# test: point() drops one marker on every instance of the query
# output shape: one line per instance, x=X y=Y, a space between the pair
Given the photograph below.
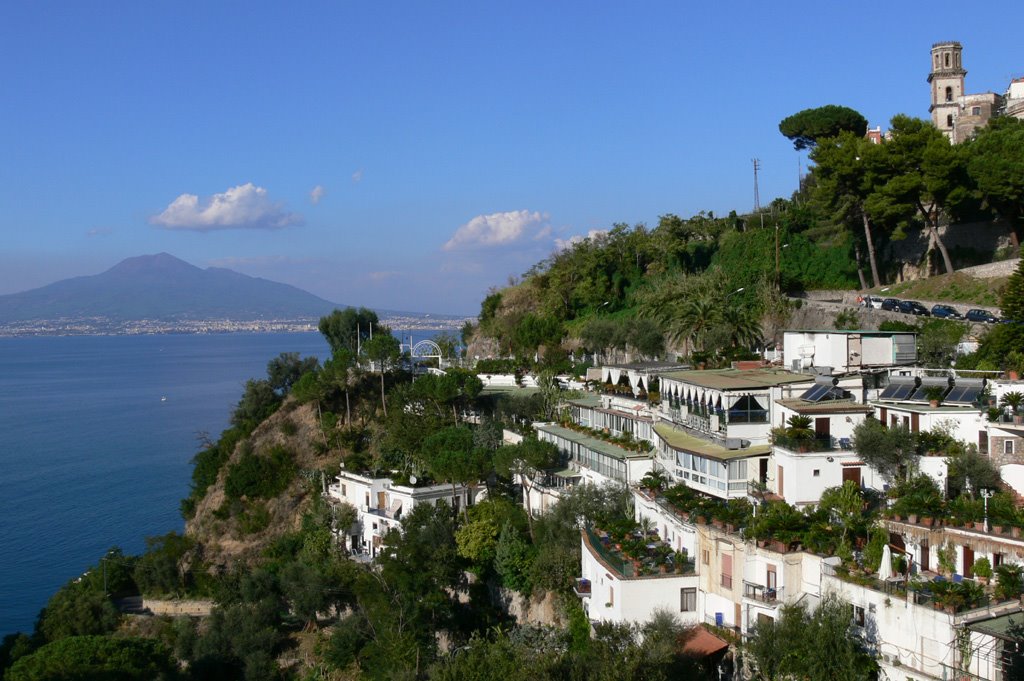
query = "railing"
x=761 y=593
x=815 y=444
x=582 y=587
x=727 y=581
x=752 y=416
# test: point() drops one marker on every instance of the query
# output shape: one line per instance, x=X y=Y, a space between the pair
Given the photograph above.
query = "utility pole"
x=757 y=196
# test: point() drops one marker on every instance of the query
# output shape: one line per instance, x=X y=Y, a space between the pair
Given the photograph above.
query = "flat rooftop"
x=647 y=366
x=850 y=332
x=825 y=406
x=593 y=443
x=589 y=400
x=683 y=441
x=737 y=379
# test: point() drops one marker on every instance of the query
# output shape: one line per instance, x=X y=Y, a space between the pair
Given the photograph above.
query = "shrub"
x=259 y=475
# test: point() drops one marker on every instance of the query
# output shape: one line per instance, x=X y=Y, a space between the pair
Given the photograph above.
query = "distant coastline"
x=100 y=326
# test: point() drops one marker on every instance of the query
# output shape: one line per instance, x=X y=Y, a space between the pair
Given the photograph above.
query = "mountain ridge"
x=163 y=287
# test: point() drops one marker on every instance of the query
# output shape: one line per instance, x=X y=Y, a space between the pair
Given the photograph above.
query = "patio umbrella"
x=885 y=569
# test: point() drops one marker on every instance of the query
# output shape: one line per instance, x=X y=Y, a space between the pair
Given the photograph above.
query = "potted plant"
x=934 y=394
x=982 y=569
x=947 y=559
x=1013 y=401
x=799 y=429
x=1009 y=581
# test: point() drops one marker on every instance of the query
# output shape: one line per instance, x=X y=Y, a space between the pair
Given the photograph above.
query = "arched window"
x=958 y=60
x=949 y=121
x=947 y=60
x=949 y=94
x=938 y=61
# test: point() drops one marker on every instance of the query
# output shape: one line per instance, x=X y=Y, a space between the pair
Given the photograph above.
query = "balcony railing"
x=727 y=581
x=582 y=588
x=762 y=594
x=824 y=443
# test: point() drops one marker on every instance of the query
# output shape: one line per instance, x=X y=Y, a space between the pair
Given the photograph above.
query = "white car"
x=872 y=302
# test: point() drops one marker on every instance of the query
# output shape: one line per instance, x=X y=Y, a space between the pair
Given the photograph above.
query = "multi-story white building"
x=381 y=503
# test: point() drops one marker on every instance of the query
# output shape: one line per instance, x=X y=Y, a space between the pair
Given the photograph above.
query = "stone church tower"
x=947 y=83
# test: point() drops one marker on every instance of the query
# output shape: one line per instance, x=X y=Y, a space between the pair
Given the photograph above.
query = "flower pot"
x=927 y=521
x=717 y=523
x=701 y=520
x=979 y=525
x=912 y=518
x=998 y=529
x=1015 y=532
x=933 y=403
x=897 y=517
x=1013 y=375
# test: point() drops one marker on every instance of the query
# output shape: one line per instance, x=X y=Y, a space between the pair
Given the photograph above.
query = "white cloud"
x=243 y=207
x=357 y=176
x=99 y=231
x=562 y=244
x=499 y=229
x=317 y=193
x=383 y=275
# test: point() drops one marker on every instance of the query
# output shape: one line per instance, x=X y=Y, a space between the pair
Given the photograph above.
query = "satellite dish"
x=412 y=479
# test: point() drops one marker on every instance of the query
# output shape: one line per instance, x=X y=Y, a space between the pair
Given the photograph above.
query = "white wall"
x=617 y=599
x=876 y=350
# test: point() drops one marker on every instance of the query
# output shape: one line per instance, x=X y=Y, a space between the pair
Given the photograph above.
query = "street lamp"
x=986 y=494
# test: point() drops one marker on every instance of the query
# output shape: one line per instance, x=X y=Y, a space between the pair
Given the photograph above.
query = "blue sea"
x=96 y=435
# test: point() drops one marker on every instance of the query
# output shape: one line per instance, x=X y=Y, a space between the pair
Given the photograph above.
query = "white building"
x=597 y=461
x=839 y=352
x=381 y=504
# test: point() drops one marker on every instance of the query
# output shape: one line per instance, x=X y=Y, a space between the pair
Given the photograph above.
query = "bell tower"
x=947 y=84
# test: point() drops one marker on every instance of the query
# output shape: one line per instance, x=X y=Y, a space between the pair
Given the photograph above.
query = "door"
x=854 y=348
x=968 y=560
x=778 y=478
x=852 y=473
x=822 y=428
x=983 y=442
x=925 y=557
x=382 y=500
x=771 y=579
x=763 y=471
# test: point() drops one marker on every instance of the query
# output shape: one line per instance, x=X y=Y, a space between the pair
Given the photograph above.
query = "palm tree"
x=742 y=326
x=799 y=427
x=697 y=318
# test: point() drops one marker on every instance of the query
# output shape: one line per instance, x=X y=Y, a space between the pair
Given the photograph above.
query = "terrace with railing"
x=763 y=594
x=638 y=556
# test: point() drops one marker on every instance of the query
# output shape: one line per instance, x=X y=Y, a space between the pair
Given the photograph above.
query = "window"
x=949 y=121
x=705 y=557
x=727 y=571
x=1008 y=446
x=949 y=94
x=817 y=472
x=611 y=596
x=858 y=616
x=344 y=491
x=947 y=59
x=976 y=111
x=688 y=600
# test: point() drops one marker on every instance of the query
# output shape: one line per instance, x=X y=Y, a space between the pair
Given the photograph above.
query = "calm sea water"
x=92 y=456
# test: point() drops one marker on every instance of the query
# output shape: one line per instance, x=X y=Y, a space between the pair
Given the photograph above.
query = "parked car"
x=891 y=304
x=978 y=315
x=913 y=307
x=871 y=302
x=945 y=312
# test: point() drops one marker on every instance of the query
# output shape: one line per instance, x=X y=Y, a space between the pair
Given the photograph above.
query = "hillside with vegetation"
x=685 y=286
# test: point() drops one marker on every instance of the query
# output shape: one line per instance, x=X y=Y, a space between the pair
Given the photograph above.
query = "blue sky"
x=453 y=144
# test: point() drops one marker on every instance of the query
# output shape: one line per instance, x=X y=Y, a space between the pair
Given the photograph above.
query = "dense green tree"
x=805 y=128
x=384 y=350
x=937 y=342
x=347 y=329
x=161 y=569
x=284 y=370
x=924 y=177
x=513 y=559
x=259 y=401
x=79 y=608
x=997 y=167
x=890 y=451
x=526 y=461
x=96 y=658
x=847 y=173
x=818 y=646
